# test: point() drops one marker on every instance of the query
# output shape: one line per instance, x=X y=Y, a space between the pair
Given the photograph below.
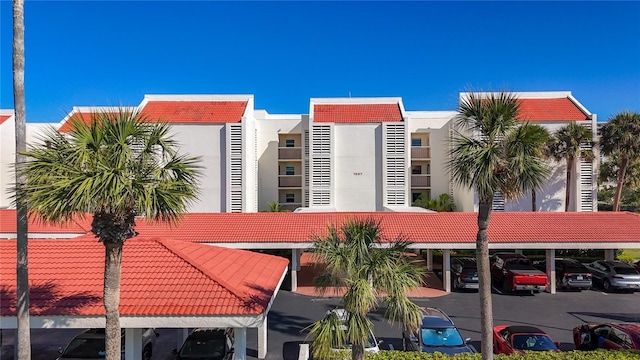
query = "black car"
x=570 y=274
x=437 y=333
x=464 y=273
x=207 y=344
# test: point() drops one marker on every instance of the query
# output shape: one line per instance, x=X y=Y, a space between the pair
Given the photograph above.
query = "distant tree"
x=117 y=166
x=539 y=139
x=275 y=207
x=356 y=258
x=444 y=203
x=621 y=136
x=572 y=143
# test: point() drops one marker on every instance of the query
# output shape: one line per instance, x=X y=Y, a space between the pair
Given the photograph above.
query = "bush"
x=530 y=355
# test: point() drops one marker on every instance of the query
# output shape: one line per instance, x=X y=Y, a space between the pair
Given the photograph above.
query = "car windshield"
x=625 y=270
x=203 y=348
x=370 y=343
x=533 y=342
x=441 y=337
x=85 y=349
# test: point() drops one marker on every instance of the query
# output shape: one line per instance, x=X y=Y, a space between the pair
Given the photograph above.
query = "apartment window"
x=416 y=169
x=290 y=170
x=415 y=196
x=290 y=198
x=416 y=142
x=289 y=143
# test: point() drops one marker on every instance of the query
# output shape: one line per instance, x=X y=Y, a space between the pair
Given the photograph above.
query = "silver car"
x=615 y=275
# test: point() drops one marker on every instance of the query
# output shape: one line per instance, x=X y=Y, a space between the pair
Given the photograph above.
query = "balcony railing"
x=420 y=152
x=290 y=180
x=290 y=153
x=420 y=181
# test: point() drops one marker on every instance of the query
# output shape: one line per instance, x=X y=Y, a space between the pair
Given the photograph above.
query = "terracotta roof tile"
x=84 y=117
x=357 y=113
x=3 y=118
x=156 y=278
x=196 y=112
x=78 y=225
x=559 y=109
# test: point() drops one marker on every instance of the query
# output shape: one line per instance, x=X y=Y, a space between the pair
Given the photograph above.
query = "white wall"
x=7 y=158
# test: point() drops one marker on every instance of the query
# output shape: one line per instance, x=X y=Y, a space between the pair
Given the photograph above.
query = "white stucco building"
x=346 y=154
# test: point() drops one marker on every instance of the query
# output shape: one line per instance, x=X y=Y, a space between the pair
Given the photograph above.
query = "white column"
x=240 y=343
x=446 y=270
x=262 y=339
x=551 y=269
x=295 y=267
x=429 y=260
x=133 y=344
x=609 y=254
x=181 y=336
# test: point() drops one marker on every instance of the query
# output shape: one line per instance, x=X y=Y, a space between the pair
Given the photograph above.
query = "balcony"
x=420 y=152
x=420 y=181
x=290 y=181
x=289 y=153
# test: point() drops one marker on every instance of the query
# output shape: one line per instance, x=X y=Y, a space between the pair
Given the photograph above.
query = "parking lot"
x=556 y=314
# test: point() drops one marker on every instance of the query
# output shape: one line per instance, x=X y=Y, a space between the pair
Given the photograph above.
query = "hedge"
x=529 y=355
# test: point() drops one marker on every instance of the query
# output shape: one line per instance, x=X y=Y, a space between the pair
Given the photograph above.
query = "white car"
x=372 y=345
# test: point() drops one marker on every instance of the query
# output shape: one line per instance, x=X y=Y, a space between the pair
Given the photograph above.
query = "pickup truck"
x=515 y=272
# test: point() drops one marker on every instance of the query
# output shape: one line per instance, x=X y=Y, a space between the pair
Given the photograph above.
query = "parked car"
x=637 y=265
x=612 y=275
x=437 y=333
x=516 y=272
x=207 y=344
x=612 y=336
x=570 y=274
x=372 y=345
x=90 y=344
x=464 y=273
x=518 y=339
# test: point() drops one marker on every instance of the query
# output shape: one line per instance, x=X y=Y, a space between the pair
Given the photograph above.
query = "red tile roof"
x=3 y=118
x=84 y=117
x=559 y=109
x=159 y=277
x=196 y=112
x=76 y=226
x=357 y=113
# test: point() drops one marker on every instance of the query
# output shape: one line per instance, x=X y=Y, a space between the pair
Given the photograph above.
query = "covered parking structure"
x=165 y=284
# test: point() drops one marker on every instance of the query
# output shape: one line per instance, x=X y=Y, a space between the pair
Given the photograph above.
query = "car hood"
x=449 y=350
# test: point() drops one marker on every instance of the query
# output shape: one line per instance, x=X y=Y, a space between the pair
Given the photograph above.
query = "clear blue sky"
x=83 y=53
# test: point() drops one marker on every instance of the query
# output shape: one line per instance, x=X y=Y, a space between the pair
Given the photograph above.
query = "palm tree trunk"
x=484 y=279
x=567 y=195
x=22 y=267
x=624 y=162
x=112 y=274
x=533 y=200
x=357 y=352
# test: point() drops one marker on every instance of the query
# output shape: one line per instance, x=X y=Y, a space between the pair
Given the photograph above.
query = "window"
x=290 y=198
x=415 y=196
x=416 y=169
x=416 y=142
x=289 y=143
x=290 y=170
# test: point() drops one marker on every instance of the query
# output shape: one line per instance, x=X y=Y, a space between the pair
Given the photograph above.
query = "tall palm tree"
x=117 y=166
x=571 y=143
x=491 y=152
x=621 y=136
x=538 y=140
x=22 y=265
x=356 y=258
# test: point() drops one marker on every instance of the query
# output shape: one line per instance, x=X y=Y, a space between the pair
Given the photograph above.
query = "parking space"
x=292 y=313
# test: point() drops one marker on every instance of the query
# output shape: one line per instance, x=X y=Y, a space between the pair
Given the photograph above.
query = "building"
x=346 y=154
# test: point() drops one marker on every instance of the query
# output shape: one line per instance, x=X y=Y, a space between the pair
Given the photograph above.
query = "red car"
x=516 y=339
x=611 y=336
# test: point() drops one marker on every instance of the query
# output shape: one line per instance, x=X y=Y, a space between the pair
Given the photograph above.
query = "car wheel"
x=606 y=285
x=146 y=353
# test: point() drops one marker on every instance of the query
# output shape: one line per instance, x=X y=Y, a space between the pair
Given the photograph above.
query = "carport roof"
x=160 y=277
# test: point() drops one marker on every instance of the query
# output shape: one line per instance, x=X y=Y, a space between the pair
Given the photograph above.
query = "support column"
x=181 y=336
x=446 y=270
x=262 y=339
x=295 y=267
x=551 y=270
x=240 y=343
x=133 y=344
x=429 y=260
x=609 y=254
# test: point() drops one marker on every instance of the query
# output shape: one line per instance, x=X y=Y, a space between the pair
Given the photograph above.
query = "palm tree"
x=538 y=138
x=356 y=258
x=117 y=166
x=621 y=136
x=571 y=143
x=22 y=264
x=492 y=153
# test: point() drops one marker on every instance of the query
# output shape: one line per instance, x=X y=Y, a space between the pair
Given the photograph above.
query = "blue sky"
x=88 y=53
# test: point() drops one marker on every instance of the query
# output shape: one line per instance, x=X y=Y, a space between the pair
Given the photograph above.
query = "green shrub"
x=530 y=355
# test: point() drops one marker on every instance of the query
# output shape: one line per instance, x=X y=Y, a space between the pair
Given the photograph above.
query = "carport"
x=165 y=284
